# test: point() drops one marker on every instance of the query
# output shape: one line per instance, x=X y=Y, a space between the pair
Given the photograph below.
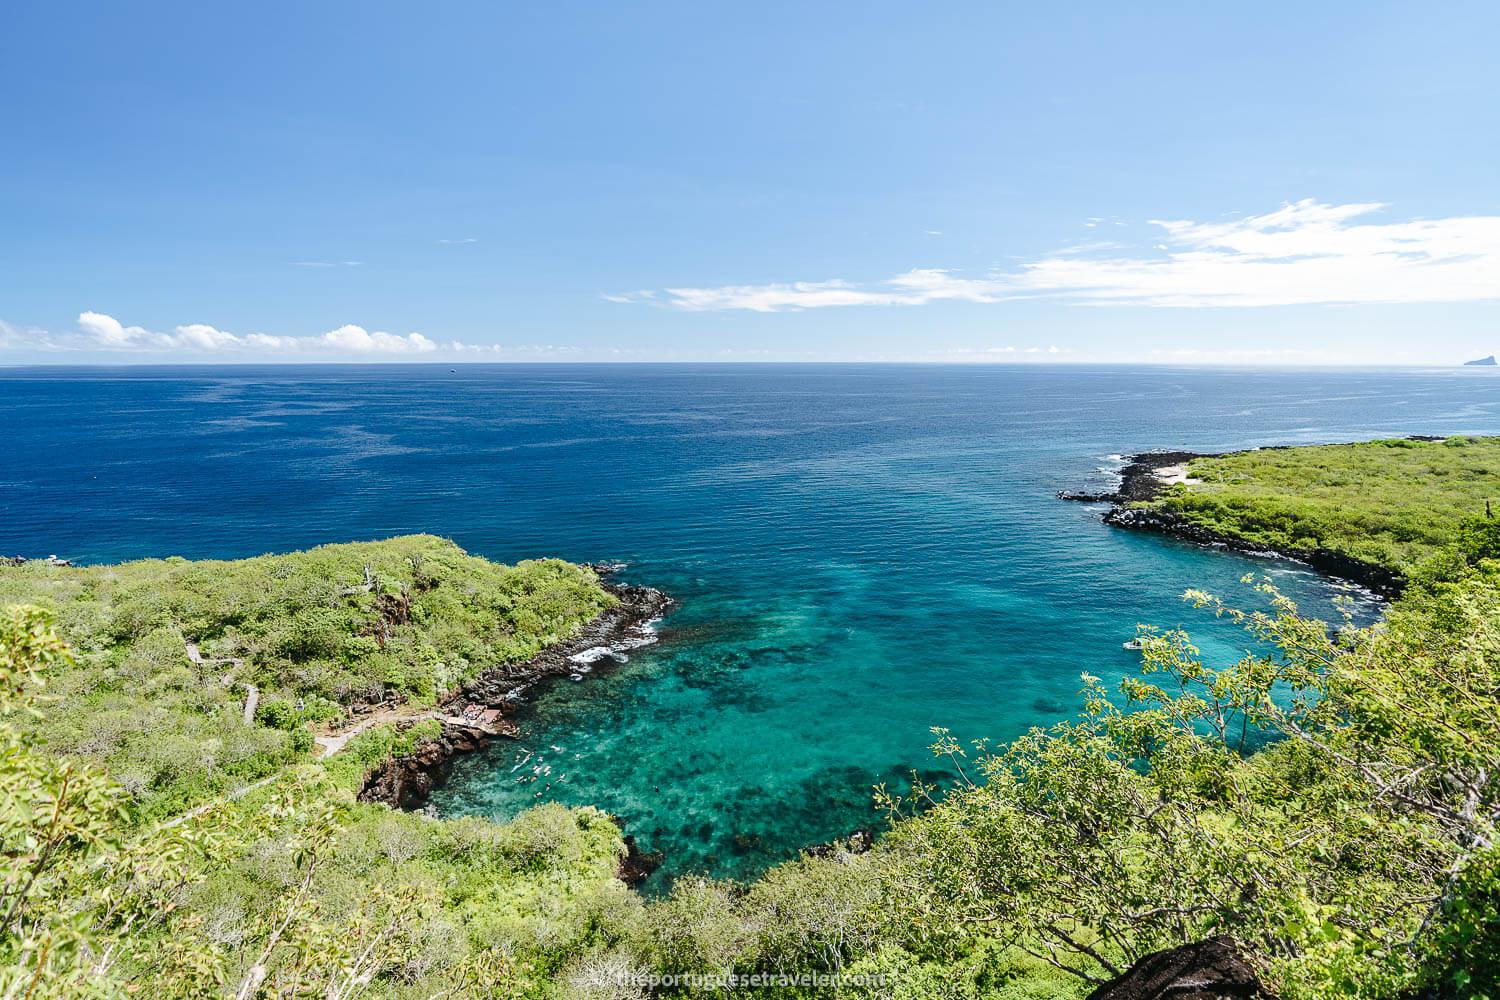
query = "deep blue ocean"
x=860 y=552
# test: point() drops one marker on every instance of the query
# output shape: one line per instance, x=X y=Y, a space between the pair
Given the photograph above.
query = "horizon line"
x=625 y=362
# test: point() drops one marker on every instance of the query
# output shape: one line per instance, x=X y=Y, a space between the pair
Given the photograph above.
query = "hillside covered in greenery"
x=1398 y=503
x=164 y=650
x=1354 y=856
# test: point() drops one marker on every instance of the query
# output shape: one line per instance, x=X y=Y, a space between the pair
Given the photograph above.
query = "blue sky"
x=1249 y=183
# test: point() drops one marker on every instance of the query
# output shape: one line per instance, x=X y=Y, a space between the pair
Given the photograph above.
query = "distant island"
x=1481 y=362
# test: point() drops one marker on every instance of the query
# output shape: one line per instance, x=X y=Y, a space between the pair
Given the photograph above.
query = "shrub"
x=302 y=741
x=276 y=713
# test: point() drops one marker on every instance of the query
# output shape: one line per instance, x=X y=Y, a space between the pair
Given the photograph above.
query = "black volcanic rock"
x=405 y=782
x=857 y=842
x=1377 y=578
x=618 y=628
x=1138 y=479
x=1204 y=970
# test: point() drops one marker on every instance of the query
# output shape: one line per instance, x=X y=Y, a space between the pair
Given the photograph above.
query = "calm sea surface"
x=860 y=552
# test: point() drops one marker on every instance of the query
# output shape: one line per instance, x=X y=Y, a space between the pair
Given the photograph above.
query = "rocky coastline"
x=405 y=782
x=1142 y=480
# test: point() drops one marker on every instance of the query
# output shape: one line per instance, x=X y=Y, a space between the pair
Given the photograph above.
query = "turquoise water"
x=860 y=553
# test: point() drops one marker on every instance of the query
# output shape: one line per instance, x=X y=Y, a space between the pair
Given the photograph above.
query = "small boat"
x=1133 y=644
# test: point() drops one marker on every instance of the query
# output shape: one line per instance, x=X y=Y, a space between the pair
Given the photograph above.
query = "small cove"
x=860 y=552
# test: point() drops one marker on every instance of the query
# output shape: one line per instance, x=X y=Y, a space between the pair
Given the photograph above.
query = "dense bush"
x=278 y=713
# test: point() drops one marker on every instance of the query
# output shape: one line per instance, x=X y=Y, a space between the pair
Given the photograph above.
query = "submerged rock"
x=857 y=842
x=637 y=865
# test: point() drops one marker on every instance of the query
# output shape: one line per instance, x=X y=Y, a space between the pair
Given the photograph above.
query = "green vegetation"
x=293 y=891
x=1355 y=855
x=1398 y=504
x=167 y=726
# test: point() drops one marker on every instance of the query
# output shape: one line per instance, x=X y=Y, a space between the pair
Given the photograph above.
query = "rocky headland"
x=1146 y=476
x=405 y=782
x=1143 y=477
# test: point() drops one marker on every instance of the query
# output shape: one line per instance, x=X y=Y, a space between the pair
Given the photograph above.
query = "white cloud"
x=466 y=239
x=99 y=331
x=356 y=338
x=11 y=337
x=205 y=338
x=638 y=296
x=514 y=350
x=109 y=332
x=1301 y=254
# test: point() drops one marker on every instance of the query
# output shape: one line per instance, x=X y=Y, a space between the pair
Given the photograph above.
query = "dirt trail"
x=333 y=743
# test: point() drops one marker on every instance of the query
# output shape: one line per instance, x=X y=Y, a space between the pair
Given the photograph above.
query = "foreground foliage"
x=1345 y=853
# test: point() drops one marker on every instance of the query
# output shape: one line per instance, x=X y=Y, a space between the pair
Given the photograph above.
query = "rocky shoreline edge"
x=1143 y=478
x=405 y=782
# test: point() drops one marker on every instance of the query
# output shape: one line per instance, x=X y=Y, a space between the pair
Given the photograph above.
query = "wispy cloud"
x=327 y=263
x=515 y=350
x=1301 y=254
x=13 y=338
x=466 y=239
x=910 y=289
x=1240 y=353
